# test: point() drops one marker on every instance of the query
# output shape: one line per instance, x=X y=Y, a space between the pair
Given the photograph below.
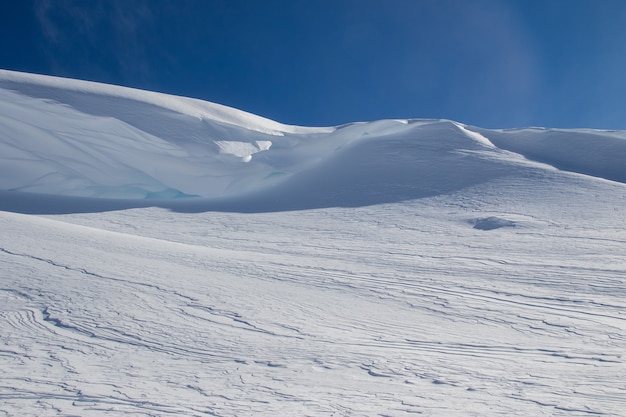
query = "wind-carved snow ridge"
x=393 y=267
x=193 y=107
x=475 y=135
x=80 y=139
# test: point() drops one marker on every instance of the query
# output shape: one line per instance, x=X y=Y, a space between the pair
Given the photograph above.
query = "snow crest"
x=394 y=267
x=83 y=139
x=189 y=106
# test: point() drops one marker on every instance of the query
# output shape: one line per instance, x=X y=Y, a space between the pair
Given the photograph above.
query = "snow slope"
x=75 y=138
x=190 y=259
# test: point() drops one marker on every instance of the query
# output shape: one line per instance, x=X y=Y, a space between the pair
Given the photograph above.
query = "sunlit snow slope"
x=162 y=255
x=76 y=138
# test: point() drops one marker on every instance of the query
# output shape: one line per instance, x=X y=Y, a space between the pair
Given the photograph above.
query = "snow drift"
x=194 y=260
x=82 y=139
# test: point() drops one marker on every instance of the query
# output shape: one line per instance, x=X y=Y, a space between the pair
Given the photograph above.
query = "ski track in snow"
x=386 y=268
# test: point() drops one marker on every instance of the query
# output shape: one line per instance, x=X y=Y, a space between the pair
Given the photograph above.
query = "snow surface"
x=167 y=256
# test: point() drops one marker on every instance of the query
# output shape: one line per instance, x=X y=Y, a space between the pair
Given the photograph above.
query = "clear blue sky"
x=490 y=63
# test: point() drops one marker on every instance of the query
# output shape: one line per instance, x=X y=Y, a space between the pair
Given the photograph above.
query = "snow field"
x=190 y=259
x=380 y=310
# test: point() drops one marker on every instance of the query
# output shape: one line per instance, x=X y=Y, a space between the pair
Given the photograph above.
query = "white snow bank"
x=189 y=106
x=77 y=138
x=585 y=151
x=475 y=135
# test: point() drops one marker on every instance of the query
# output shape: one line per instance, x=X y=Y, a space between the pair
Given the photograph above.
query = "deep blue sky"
x=490 y=63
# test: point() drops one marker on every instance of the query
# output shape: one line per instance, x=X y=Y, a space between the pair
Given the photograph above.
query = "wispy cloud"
x=107 y=36
x=498 y=45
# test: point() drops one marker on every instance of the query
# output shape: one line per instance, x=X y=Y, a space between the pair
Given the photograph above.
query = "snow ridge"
x=185 y=259
x=83 y=139
x=189 y=106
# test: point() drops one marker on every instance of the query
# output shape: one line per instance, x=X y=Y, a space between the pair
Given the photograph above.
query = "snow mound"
x=81 y=139
x=592 y=152
x=376 y=309
x=193 y=107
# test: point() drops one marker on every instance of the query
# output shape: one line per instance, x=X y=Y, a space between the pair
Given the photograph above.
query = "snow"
x=475 y=135
x=43 y=84
x=380 y=268
x=243 y=150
